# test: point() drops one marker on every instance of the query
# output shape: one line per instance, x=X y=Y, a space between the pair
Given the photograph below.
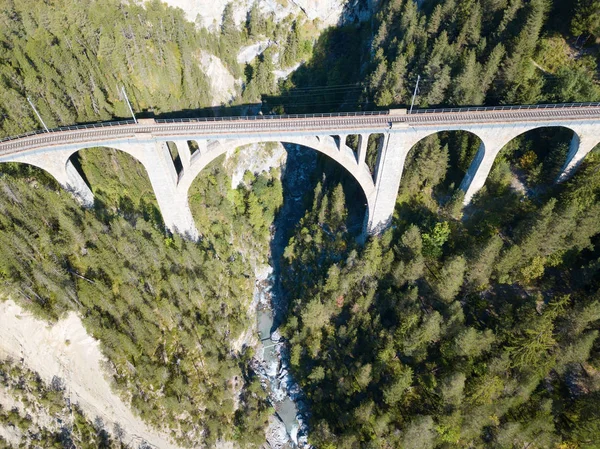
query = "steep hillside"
x=173 y=318
x=470 y=328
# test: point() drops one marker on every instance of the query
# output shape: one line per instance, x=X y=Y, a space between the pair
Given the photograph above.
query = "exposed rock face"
x=284 y=73
x=248 y=53
x=66 y=350
x=256 y=157
x=277 y=437
x=328 y=12
x=222 y=82
x=208 y=13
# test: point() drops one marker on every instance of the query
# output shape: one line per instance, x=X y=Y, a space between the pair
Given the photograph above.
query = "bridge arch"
x=457 y=163
x=145 y=141
x=119 y=146
x=495 y=137
x=584 y=139
x=324 y=144
x=543 y=148
x=43 y=170
x=114 y=170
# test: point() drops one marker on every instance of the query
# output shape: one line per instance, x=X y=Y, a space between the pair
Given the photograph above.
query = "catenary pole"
x=412 y=103
x=128 y=103
x=37 y=113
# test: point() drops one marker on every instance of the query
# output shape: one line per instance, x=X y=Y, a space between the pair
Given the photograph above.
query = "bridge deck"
x=318 y=123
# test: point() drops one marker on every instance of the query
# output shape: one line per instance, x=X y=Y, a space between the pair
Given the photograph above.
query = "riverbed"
x=285 y=395
x=283 y=391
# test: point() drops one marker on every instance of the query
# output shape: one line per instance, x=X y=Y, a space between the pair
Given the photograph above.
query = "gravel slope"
x=66 y=350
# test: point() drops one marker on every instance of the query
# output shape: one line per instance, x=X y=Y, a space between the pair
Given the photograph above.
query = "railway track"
x=346 y=123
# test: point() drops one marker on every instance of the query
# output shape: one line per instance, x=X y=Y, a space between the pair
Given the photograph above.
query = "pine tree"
x=586 y=18
x=481 y=264
x=449 y=280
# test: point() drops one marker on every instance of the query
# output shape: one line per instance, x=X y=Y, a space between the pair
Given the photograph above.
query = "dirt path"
x=66 y=350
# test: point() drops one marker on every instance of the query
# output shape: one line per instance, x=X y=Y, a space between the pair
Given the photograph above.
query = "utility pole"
x=38 y=114
x=128 y=103
x=415 y=94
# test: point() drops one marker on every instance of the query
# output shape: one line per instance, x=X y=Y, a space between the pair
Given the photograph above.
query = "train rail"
x=346 y=123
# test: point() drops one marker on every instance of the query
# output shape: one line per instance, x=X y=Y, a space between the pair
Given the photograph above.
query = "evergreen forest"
x=471 y=327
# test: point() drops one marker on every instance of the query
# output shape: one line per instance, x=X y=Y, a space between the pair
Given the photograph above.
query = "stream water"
x=284 y=393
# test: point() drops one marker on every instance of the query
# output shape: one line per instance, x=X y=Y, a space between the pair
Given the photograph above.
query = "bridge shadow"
x=299 y=179
x=304 y=169
x=76 y=161
x=236 y=110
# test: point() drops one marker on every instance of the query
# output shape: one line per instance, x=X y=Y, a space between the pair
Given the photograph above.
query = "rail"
x=296 y=122
x=69 y=128
x=507 y=108
x=272 y=117
x=198 y=120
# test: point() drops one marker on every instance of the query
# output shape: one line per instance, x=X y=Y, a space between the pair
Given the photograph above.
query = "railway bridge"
x=200 y=141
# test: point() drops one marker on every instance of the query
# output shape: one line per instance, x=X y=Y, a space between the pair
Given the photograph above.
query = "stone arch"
x=421 y=136
x=47 y=170
x=57 y=163
x=81 y=186
x=344 y=156
x=537 y=130
x=585 y=139
x=525 y=129
x=416 y=137
x=124 y=147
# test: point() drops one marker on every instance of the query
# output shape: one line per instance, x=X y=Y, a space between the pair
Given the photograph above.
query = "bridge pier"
x=342 y=141
x=390 y=164
x=478 y=171
x=184 y=153
x=77 y=186
x=145 y=141
x=582 y=143
x=363 y=141
x=173 y=205
x=492 y=142
x=59 y=166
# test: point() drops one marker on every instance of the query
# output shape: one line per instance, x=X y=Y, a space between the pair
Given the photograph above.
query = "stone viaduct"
x=147 y=141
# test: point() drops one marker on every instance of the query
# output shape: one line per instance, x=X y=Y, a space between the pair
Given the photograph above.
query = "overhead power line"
x=412 y=103
x=128 y=103
x=38 y=114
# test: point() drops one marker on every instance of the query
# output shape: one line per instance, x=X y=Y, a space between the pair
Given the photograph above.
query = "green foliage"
x=166 y=311
x=32 y=397
x=440 y=333
x=532 y=343
x=242 y=216
x=72 y=62
x=473 y=365
x=420 y=433
x=471 y=343
x=481 y=264
x=553 y=53
x=585 y=418
x=393 y=393
x=426 y=166
x=458 y=335
x=586 y=18
x=433 y=243
x=261 y=79
x=476 y=52
x=410 y=252
x=450 y=278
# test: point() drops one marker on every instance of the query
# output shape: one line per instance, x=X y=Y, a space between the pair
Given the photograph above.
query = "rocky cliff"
x=208 y=13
